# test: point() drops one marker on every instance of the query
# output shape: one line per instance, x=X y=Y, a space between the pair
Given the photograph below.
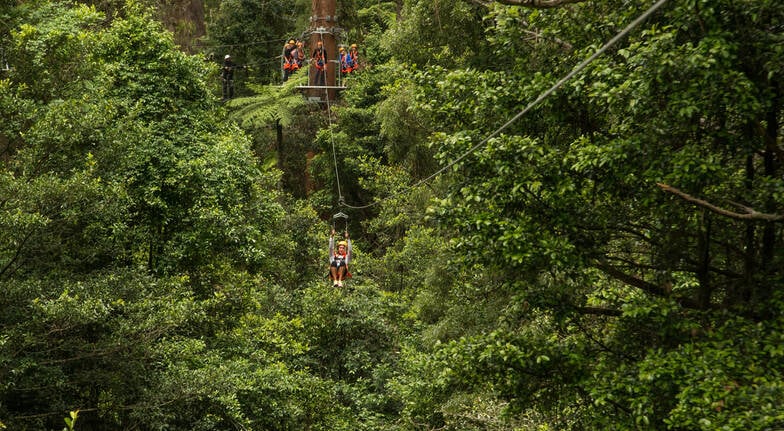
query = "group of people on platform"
x=294 y=59
x=349 y=60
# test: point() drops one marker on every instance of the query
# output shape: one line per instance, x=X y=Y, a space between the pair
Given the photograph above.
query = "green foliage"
x=154 y=275
x=135 y=218
x=404 y=131
x=277 y=115
x=722 y=379
x=50 y=49
x=70 y=421
x=366 y=22
x=443 y=33
x=253 y=33
x=271 y=105
x=564 y=216
x=353 y=335
x=300 y=248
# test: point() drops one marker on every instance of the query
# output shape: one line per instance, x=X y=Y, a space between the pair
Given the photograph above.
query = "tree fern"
x=271 y=104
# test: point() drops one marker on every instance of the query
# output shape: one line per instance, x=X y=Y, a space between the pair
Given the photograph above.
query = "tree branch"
x=18 y=251
x=748 y=214
x=566 y=45
x=631 y=280
x=599 y=311
x=645 y=286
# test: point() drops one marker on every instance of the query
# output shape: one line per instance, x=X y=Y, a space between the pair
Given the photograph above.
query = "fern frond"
x=271 y=103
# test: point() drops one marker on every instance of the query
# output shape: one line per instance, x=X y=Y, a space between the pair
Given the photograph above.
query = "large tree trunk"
x=772 y=165
x=185 y=19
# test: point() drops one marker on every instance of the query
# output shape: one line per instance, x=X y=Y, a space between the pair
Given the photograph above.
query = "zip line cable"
x=329 y=119
x=233 y=45
x=334 y=154
x=530 y=106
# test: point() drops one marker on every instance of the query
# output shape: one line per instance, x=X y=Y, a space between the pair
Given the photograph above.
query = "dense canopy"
x=529 y=252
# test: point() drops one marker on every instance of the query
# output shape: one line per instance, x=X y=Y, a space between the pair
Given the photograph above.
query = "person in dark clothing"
x=227 y=76
x=319 y=59
x=289 y=60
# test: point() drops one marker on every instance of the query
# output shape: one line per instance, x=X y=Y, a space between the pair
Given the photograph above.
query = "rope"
x=341 y=201
x=331 y=133
x=530 y=106
x=237 y=44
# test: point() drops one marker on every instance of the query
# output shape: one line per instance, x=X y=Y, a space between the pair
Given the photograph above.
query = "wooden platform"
x=320 y=87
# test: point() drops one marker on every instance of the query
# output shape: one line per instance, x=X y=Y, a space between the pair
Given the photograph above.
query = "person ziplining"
x=339 y=259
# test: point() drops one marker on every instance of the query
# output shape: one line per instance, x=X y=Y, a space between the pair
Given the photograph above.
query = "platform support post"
x=323 y=26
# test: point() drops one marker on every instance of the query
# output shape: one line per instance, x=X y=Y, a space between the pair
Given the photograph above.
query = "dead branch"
x=599 y=311
x=538 y=36
x=748 y=214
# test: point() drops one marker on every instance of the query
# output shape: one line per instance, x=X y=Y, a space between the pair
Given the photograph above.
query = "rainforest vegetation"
x=610 y=259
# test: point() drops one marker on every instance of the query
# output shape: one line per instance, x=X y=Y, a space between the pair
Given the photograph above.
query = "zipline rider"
x=339 y=259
